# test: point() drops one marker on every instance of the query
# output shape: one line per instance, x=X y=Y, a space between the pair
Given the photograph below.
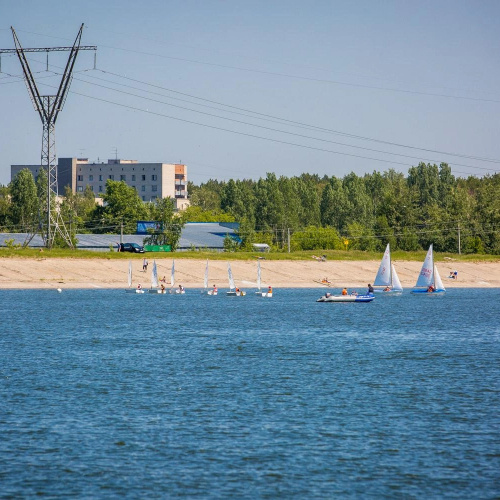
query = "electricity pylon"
x=48 y=108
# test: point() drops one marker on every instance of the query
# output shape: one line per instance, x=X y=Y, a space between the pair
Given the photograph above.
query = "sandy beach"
x=103 y=273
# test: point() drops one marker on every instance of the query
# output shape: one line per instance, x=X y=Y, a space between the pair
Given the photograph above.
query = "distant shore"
x=47 y=273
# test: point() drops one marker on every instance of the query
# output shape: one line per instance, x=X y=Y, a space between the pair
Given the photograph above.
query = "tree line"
x=428 y=205
x=307 y=212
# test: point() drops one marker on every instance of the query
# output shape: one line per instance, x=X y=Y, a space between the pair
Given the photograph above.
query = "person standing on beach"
x=145 y=264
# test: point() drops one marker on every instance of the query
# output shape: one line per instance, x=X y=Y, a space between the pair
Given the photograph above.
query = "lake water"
x=106 y=394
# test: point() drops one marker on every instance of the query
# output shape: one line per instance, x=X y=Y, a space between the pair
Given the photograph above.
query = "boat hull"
x=236 y=294
x=429 y=293
x=346 y=298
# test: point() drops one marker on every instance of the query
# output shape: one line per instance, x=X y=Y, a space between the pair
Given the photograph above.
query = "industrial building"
x=150 y=180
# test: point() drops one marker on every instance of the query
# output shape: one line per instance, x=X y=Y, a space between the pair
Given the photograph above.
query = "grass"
x=351 y=255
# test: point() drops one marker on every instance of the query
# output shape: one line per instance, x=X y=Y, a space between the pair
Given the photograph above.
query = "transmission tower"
x=48 y=108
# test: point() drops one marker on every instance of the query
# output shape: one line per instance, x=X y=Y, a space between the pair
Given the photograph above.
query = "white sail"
x=154 y=276
x=130 y=273
x=438 y=284
x=426 y=276
x=396 y=284
x=172 y=275
x=258 y=275
x=230 y=277
x=383 y=277
x=205 y=280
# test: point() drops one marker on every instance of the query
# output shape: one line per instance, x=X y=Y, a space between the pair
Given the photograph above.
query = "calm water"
x=108 y=394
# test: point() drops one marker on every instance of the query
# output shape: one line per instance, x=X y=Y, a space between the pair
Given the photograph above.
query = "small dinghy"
x=346 y=298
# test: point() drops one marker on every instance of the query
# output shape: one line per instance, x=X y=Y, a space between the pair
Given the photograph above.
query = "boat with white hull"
x=233 y=291
x=429 y=280
x=346 y=298
x=387 y=279
x=259 y=291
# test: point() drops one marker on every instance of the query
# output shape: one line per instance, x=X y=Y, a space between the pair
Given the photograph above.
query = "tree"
x=24 y=201
x=5 y=207
x=170 y=223
x=122 y=204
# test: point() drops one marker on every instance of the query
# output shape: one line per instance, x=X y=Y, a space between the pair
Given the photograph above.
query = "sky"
x=237 y=89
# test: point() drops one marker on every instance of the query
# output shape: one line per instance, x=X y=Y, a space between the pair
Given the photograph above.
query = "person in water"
x=344 y=291
x=370 y=288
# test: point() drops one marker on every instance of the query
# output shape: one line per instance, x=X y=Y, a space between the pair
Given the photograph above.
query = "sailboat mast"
x=390 y=266
x=433 y=271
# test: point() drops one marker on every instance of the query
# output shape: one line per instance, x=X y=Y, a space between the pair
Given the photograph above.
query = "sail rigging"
x=230 y=277
x=154 y=276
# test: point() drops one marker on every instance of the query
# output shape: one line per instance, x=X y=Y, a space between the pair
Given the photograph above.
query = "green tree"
x=171 y=224
x=24 y=201
x=122 y=204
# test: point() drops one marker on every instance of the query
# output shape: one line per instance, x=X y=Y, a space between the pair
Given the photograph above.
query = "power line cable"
x=277 y=130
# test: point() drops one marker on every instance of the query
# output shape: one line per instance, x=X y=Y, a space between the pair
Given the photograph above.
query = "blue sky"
x=236 y=89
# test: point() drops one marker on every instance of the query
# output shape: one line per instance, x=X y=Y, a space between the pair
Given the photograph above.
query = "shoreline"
x=53 y=273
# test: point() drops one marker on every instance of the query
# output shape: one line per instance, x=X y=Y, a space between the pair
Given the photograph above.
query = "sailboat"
x=233 y=291
x=130 y=289
x=155 y=286
x=429 y=280
x=259 y=291
x=206 y=291
x=387 y=279
x=172 y=281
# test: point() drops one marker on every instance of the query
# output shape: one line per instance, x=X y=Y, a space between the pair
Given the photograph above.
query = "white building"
x=150 y=180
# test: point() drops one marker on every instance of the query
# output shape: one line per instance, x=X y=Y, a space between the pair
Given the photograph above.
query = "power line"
x=477 y=158
x=278 y=130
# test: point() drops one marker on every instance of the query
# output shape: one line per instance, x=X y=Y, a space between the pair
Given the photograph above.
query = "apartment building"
x=150 y=180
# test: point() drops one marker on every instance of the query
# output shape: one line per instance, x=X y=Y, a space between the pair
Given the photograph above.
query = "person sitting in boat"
x=269 y=289
x=370 y=289
x=139 y=287
x=344 y=291
x=328 y=294
x=431 y=289
x=354 y=292
x=386 y=289
x=181 y=289
x=214 y=288
x=162 y=288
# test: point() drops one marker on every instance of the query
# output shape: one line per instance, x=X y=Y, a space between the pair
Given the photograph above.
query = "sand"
x=103 y=273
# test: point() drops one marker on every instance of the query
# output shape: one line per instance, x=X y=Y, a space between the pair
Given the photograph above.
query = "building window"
x=111 y=176
x=143 y=177
x=123 y=177
x=100 y=189
x=91 y=177
x=143 y=198
x=154 y=188
x=79 y=189
x=154 y=177
x=91 y=187
x=143 y=188
x=79 y=177
x=153 y=198
x=133 y=177
x=100 y=177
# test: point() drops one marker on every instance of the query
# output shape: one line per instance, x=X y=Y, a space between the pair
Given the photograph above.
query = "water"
x=108 y=394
